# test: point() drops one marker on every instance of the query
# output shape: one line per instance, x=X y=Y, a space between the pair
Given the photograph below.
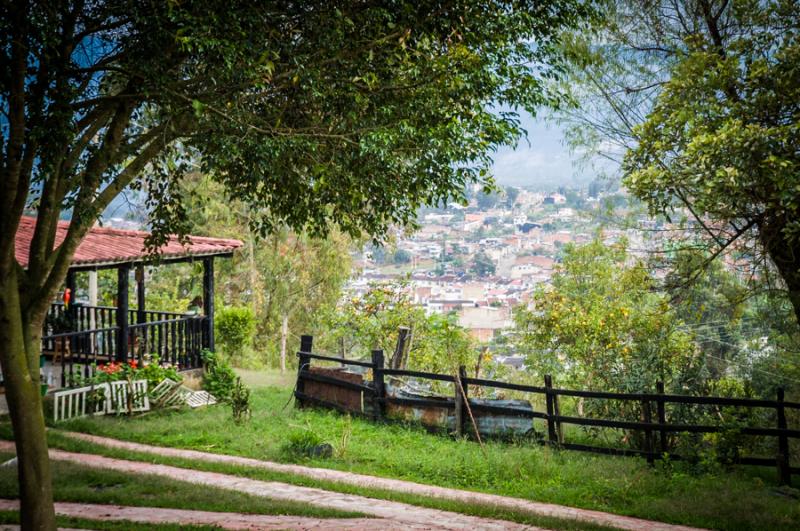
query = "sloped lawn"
x=738 y=499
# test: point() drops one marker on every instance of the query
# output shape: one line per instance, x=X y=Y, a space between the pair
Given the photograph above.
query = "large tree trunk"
x=785 y=254
x=19 y=356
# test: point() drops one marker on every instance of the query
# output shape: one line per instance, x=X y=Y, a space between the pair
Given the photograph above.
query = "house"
x=79 y=335
x=484 y=322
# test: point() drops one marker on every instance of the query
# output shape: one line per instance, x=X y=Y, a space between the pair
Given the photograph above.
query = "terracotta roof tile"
x=105 y=246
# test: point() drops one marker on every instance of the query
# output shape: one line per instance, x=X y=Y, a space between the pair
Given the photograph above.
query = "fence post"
x=379 y=404
x=461 y=397
x=549 y=396
x=303 y=363
x=465 y=420
x=784 y=472
x=662 y=417
x=647 y=418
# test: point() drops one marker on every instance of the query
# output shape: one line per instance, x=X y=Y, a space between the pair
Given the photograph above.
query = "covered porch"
x=79 y=332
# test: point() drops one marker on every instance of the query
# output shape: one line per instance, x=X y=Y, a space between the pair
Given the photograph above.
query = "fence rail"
x=653 y=425
x=178 y=341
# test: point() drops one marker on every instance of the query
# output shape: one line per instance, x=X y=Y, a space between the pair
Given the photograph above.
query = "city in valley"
x=481 y=259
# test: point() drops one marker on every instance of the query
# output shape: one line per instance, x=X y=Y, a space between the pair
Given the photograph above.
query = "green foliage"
x=285 y=274
x=701 y=98
x=218 y=377
x=601 y=326
x=362 y=324
x=155 y=372
x=240 y=402
x=316 y=114
x=482 y=265
x=740 y=498
x=235 y=327
x=301 y=441
x=152 y=370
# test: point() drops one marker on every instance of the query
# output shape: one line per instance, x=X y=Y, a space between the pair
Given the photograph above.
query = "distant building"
x=484 y=322
x=554 y=199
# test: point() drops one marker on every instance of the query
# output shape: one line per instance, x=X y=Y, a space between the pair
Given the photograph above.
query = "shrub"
x=240 y=402
x=235 y=328
x=218 y=378
x=155 y=372
x=302 y=442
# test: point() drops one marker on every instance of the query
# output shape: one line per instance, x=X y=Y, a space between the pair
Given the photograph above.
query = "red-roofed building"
x=106 y=247
x=79 y=335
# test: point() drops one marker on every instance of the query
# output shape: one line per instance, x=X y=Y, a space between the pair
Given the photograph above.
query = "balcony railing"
x=174 y=337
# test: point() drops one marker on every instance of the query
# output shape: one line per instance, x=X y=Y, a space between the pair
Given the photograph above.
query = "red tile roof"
x=106 y=246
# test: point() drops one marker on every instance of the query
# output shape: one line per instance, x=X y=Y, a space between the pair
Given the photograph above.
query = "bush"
x=218 y=378
x=235 y=329
x=240 y=402
x=155 y=372
x=302 y=442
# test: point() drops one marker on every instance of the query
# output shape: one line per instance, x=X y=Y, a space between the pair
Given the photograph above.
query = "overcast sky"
x=543 y=161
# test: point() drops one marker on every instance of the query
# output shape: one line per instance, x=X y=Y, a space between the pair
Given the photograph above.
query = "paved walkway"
x=398 y=514
x=234 y=521
x=516 y=504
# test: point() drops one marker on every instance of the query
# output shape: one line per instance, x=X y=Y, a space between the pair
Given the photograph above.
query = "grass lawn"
x=12 y=517
x=740 y=499
x=75 y=483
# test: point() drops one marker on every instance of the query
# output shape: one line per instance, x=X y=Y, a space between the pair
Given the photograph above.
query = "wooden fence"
x=655 y=428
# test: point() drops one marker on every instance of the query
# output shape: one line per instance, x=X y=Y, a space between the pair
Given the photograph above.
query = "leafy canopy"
x=601 y=326
x=699 y=102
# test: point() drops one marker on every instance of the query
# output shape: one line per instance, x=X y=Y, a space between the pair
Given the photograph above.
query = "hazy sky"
x=543 y=160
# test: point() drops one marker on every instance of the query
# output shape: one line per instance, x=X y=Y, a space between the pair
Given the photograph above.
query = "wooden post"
x=140 y=294
x=662 y=418
x=648 y=432
x=123 y=272
x=208 y=300
x=464 y=391
x=551 y=425
x=784 y=472
x=303 y=364
x=72 y=314
x=379 y=405
x=557 y=412
x=458 y=407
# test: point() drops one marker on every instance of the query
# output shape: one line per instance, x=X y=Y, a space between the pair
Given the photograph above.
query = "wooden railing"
x=92 y=317
x=175 y=338
x=656 y=427
x=177 y=341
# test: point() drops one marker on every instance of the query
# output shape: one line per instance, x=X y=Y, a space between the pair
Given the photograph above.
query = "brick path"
x=398 y=514
x=516 y=504
x=234 y=521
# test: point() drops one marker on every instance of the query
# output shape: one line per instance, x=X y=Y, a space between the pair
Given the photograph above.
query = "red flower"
x=133 y=364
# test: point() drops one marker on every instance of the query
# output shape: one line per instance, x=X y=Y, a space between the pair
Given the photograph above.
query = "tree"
x=372 y=320
x=287 y=278
x=701 y=99
x=314 y=113
x=482 y=265
x=601 y=326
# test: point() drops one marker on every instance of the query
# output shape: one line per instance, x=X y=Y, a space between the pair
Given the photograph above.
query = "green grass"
x=58 y=440
x=12 y=517
x=76 y=483
x=740 y=499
